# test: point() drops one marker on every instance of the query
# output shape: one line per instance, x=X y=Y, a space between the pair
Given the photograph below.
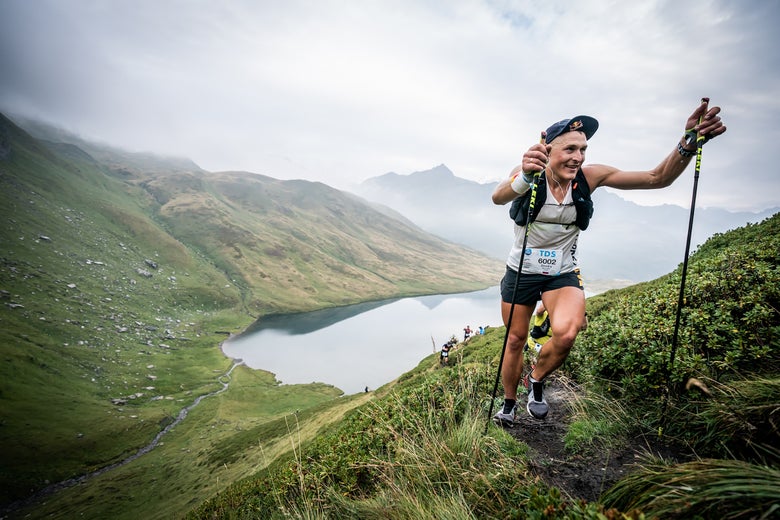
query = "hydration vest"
x=580 y=194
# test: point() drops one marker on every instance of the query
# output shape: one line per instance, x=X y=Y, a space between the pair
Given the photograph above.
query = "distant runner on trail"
x=562 y=207
x=444 y=356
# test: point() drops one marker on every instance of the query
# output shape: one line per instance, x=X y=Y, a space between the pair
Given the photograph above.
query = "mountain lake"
x=363 y=345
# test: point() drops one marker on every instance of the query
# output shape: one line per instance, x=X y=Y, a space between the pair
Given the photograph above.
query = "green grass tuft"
x=709 y=488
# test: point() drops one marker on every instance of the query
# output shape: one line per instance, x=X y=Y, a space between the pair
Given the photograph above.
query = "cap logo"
x=575 y=125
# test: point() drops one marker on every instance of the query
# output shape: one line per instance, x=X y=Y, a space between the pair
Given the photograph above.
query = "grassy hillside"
x=729 y=320
x=301 y=245
x=418 y=450
x=121 y=273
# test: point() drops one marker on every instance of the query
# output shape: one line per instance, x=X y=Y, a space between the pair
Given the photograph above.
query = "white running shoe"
x=506 y=419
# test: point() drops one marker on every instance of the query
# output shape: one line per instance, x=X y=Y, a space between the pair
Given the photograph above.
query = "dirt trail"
x=582 y=475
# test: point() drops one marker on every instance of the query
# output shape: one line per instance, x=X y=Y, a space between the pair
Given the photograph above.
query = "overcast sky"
x=339 y=91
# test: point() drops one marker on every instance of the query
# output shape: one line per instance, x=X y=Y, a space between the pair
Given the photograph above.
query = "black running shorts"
x=531 y=286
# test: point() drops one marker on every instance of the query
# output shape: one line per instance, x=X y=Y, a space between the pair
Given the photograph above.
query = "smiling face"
x=567 y=154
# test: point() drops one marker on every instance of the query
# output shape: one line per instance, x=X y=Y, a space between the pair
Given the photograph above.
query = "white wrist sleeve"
x=521 y=183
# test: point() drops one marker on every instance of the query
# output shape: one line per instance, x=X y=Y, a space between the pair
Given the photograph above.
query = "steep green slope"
x=119 y=277
x=86 y=319
x=730 y=319
x=418 y=450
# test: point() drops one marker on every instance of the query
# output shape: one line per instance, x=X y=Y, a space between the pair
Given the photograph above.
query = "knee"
x=565 y=338
x=515 y=342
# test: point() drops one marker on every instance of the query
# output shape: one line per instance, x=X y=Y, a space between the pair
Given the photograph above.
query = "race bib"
x=543 y=261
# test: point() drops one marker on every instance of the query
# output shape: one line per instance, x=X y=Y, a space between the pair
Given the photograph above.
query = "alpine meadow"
x=123 y=272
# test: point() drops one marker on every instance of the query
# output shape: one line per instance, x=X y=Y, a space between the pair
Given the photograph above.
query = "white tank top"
x=552 y=241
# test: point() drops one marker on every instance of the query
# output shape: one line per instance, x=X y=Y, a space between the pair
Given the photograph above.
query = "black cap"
x=585 y=124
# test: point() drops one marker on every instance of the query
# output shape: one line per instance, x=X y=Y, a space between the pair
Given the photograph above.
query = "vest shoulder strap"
x=518 y=211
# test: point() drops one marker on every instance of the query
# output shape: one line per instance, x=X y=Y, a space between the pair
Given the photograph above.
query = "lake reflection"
x=361 y=345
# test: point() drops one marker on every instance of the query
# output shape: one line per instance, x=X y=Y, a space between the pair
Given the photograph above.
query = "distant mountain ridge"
x=111 y=156
x=445 y=205
x=624 y=241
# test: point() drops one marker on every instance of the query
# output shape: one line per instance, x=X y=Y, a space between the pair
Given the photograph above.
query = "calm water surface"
x=361 y=345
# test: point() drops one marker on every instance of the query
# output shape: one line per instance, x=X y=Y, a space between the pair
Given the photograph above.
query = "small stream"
x=53 y=488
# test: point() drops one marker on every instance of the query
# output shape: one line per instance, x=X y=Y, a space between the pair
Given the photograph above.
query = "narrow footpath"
x=584 y=475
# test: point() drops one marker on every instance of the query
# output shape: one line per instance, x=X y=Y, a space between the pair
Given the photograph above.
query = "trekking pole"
x=531 y=204
x=681 y=298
